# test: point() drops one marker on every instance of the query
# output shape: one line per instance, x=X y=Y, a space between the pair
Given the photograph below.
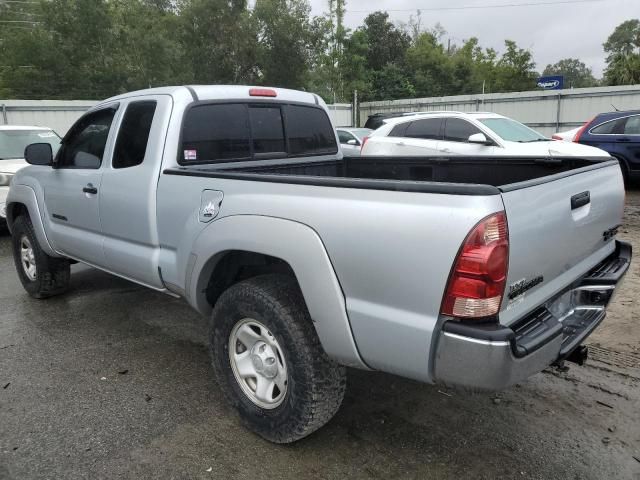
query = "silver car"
x=351 y=140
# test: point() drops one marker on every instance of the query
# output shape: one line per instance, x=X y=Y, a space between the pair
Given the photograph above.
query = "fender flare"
x=25 y=195
x=298 y=245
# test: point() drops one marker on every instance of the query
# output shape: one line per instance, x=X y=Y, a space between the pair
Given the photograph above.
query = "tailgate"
x=559 y=228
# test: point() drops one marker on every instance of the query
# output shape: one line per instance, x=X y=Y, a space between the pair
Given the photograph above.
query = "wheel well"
x=238 y=265
x=15 y=210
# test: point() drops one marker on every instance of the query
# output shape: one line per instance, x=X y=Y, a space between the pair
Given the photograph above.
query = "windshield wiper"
x=536 y=140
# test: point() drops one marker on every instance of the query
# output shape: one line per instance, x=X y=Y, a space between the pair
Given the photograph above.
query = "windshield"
x=360 y=133
x=13 y=142
x=512 y=131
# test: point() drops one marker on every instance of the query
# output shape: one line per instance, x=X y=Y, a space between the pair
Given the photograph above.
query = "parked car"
x=13 y=140
x=617 y=133
x=351 y=140
x=465 y=133
x=238 y=200
x=378 y=119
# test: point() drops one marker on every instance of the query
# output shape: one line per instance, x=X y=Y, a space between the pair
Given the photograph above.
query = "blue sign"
x=555 y=82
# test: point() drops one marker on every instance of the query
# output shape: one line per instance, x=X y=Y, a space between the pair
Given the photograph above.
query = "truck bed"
x=455 y=175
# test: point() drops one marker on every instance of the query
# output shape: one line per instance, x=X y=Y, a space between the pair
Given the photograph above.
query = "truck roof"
x=222 y=92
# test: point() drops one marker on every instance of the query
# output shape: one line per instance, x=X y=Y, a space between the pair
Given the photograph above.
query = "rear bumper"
x=493 y=357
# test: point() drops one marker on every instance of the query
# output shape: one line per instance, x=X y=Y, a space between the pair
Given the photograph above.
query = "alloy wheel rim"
x=28 y=258
x=258 y=363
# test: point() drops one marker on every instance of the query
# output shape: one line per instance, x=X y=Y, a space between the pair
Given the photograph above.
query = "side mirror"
x=479 y=138
x=39 y=154
x=353 y=142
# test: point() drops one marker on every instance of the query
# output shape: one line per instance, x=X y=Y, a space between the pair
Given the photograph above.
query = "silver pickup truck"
x=471 y=272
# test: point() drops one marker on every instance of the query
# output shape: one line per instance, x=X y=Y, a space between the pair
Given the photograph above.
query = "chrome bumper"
x=493 y=357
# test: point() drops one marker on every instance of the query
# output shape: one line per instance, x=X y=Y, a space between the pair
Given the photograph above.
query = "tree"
x=515 y=71
x=432 y=69
x=286 y=41
x=386 y=43
x=219 y=40
x=623 y=59
x=576 y=74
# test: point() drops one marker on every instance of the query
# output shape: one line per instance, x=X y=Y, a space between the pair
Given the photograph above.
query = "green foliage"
x=97 y=48
x=623 y=49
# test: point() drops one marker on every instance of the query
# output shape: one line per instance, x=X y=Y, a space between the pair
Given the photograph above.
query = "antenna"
x=615 y=108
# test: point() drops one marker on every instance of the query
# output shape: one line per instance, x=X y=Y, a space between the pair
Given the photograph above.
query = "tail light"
x=262 y=92
x=476 y=284
x=364 y=141
x=576 y=137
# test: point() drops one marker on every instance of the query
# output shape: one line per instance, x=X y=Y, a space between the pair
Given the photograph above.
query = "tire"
x=314 y=384
x=50 y=276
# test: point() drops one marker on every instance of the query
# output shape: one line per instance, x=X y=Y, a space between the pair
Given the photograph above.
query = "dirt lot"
x=112 y=381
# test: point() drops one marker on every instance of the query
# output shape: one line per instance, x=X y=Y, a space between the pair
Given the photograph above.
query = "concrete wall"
x=60 y=114
x=56 y=114
x=545 y=111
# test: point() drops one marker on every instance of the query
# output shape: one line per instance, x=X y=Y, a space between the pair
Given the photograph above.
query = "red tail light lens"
x=364 y=140
x=477 y=282
x=576 y=137
x=262 y=92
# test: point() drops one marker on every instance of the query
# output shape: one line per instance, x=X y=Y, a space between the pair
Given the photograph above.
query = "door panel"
x=128 y=191
x=72 y=189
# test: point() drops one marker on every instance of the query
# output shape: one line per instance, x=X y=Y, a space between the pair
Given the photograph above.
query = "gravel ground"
x=112 y=381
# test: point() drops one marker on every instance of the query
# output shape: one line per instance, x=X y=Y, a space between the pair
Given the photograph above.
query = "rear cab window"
x=226 y=132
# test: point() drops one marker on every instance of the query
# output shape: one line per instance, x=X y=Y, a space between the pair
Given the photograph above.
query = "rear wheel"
x=41 y=275
x=269 y=361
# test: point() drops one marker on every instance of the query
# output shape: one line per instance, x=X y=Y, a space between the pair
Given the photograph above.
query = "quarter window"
x=427 y=129
x=457 y=130
x=610 y=128
x=133 y=136
x=84 y=145
x=632 y=127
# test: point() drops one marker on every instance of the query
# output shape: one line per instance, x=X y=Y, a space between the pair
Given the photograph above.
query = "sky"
x=552 y=32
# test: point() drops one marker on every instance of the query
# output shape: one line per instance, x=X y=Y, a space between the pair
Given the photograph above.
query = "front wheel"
x=269 y=361
x=41 y=275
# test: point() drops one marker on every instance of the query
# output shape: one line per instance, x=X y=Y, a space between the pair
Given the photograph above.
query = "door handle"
x=90 y=189
x=580 y=200
x=445 y=150
x=624 y=139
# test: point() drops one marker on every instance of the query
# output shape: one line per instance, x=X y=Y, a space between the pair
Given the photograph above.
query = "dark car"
x=618 y=133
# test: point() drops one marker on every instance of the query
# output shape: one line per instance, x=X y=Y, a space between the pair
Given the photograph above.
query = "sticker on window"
x=46 y=135
x=190 y=154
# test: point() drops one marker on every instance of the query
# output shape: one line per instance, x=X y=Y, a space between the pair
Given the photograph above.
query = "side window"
x=267 y=132
x=83 y=146
x=309 y=131
x=632 y=127
x=215 y=132
x=458 y=130
x=133 y=136
x=400 y=130
x=345 y=136
x=428 y=129
x=612 y=127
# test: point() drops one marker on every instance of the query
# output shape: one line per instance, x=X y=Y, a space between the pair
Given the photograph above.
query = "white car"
x=466 y=133
x=351 y=140
x=13 y=140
